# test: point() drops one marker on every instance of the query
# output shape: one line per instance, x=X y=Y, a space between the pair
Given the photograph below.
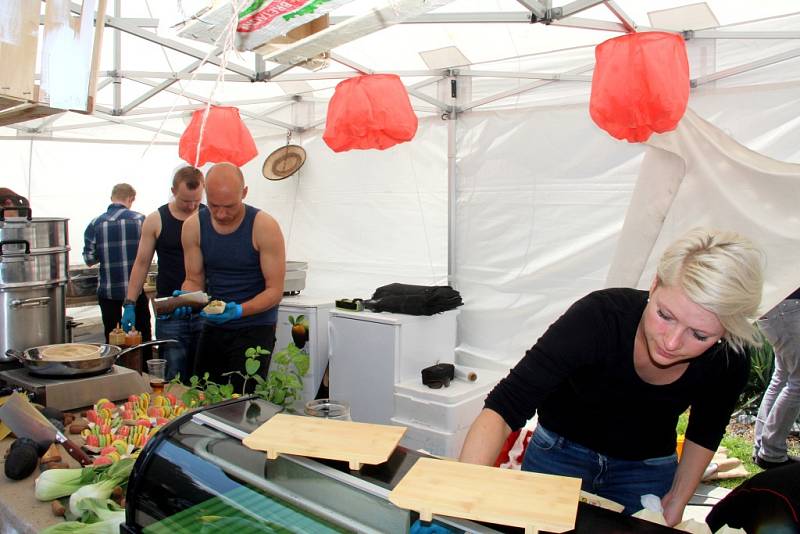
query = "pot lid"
x=283 y=162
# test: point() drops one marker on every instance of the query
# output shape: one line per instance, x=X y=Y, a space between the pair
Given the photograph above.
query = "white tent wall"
x=541 y=196
x=363 y=218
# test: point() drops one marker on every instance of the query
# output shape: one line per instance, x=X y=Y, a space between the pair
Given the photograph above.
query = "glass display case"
x=196 y=476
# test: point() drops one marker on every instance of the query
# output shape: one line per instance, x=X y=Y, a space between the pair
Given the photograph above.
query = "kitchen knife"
x=26 y=421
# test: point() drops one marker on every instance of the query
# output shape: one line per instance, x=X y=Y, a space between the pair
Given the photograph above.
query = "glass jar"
x=328 y=408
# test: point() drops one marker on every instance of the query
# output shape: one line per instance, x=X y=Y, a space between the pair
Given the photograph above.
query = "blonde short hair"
x=722 y=272
x=122 y=192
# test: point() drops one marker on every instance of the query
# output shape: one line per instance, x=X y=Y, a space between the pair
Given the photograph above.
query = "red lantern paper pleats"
x=371 y=111
x=225 y=138
x=640 y=84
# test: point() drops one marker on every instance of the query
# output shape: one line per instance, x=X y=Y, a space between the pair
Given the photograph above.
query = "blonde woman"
x=611 y=376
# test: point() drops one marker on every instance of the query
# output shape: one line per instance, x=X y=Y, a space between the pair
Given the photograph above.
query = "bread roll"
x=214 y=307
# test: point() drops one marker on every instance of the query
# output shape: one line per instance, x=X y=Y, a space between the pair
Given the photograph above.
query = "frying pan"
x=90 y=362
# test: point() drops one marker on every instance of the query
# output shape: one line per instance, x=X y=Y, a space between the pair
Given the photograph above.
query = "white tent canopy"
x=508 y=188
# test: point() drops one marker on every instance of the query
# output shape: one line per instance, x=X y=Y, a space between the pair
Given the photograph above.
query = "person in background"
x=780 y=405
x=111 y=240
x=161 y=233
x=611 y=376
x=12 y=203
x=235 y=253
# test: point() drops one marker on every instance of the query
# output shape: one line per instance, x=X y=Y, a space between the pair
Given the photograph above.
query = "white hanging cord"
x=228 y=37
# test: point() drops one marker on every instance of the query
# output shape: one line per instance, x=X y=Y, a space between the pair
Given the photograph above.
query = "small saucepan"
x=74 y=359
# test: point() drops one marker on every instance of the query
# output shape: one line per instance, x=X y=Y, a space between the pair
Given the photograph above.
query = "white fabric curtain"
x=699 y=176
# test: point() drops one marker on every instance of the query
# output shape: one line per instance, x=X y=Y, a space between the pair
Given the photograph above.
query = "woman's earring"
x=719 y=341
x=648 y=299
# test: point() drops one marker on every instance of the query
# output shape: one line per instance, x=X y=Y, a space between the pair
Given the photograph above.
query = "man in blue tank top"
x=161 y=233
x=235 y=253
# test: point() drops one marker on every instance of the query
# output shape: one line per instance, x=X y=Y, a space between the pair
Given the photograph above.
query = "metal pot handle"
x=16 y=242
x=145 y=344
x=12 y=353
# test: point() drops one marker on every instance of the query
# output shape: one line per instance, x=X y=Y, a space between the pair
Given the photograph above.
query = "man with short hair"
x=161 y=233
x=111 y=240
x=235 y=253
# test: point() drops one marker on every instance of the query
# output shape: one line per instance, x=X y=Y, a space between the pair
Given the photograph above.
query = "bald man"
x=235 y=253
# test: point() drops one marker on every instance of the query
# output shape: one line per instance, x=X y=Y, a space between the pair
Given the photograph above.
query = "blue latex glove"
x=422 y=527
x=183 y=311
x=232 y=311
x=128 y=317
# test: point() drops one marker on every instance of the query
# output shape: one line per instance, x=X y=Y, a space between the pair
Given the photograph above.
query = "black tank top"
x=171 y=271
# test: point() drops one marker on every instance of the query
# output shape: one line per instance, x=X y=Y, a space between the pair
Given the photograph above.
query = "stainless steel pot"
x=33 y=267
x=32 y=316
x=33 y=276
x=106 y=356
x=36 y=233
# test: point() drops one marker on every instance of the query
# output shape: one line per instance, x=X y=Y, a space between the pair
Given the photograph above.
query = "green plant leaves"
x=251 y=366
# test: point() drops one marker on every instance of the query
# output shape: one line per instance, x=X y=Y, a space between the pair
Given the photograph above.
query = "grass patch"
x=743 y=450
x=738 y=447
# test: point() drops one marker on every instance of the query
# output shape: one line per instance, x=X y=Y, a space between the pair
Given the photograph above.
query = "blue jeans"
x=780 y=405
x=180 y=358
x=622 y=481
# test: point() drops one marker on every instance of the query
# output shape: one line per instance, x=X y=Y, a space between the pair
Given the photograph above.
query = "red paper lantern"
x=225 y=138
x=640 y=84
x=371 y=111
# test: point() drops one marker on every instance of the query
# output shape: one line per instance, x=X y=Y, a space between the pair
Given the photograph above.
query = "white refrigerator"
x=371 y=352
x=315 y=310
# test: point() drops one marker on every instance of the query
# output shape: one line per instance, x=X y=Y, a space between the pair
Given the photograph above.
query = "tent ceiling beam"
x=537 y=8
x=492 y=17
x=771 y=60
x=160 y=87
x=273 y=73
x=523 y=89
x=111 y=118
x=351 y=29
x=164 y=75
x=165 y=109
x=123 y=25
x=724 y=34
x=190 y=96
x=576 y=6
x=102 y=122
x=209 y=77
x=623 y=17
x=554 y=76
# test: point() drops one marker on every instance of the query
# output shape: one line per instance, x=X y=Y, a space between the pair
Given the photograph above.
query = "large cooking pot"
x=74 y=359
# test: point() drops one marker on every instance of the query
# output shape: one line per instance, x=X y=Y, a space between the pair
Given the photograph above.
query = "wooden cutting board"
x=505 y=496
x=355 y=443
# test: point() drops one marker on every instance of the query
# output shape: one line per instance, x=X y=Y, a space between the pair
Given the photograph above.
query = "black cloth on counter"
x=413 y=299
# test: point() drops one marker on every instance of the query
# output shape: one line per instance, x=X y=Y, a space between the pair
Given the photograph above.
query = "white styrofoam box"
x=432 y=440
x=448 y=408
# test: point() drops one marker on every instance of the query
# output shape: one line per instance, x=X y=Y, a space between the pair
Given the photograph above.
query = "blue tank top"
x=233 y=268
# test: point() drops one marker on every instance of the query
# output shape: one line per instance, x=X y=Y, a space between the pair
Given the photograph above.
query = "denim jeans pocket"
x=672 y=459
x=545 y=440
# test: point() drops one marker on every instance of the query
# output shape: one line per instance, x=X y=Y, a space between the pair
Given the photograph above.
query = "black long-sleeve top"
x=581 y=379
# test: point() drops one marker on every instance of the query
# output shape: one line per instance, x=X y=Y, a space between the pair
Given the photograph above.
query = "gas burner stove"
x=66 y=393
